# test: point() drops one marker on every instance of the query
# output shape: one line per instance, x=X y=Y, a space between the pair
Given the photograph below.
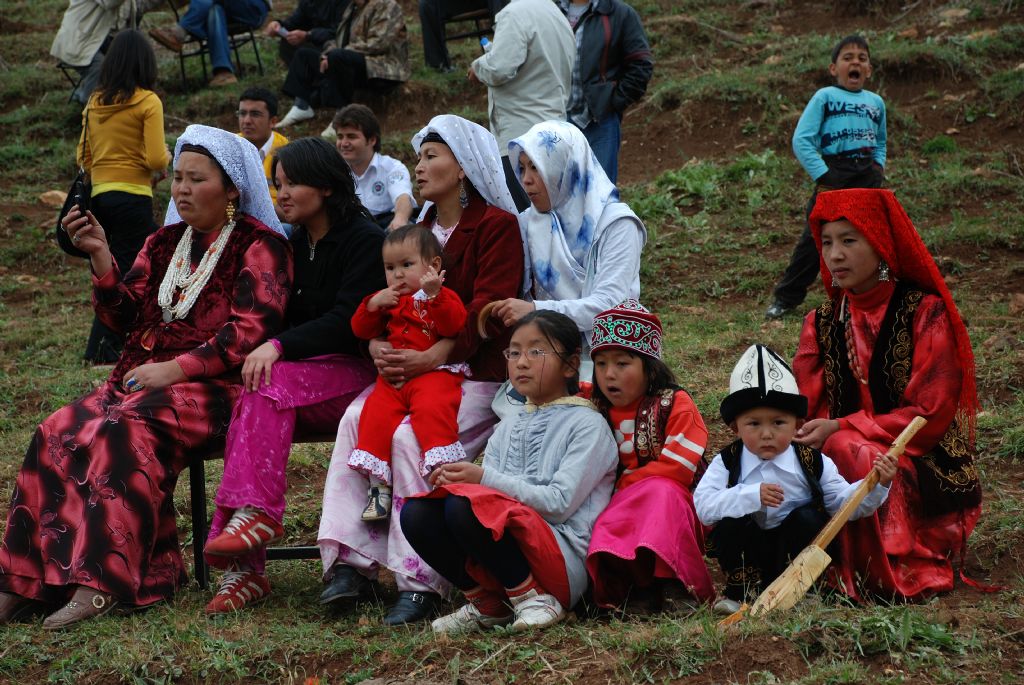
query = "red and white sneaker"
x=238 y=589
x=249 y=529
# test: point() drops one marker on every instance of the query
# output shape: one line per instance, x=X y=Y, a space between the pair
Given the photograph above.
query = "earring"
x=463 y=195
x=230 y=211
x=883 y=271
x=835 y=282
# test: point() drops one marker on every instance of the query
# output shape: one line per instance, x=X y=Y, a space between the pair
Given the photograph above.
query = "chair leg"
x=197 y=484
x=238 y=58
x=181 y=64
x=256 y=49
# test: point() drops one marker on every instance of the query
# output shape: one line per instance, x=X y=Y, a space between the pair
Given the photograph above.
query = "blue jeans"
x=209 y=19
x=604 y=137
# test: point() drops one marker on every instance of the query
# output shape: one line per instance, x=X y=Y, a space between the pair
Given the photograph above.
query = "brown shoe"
x=172 y=38
x=86 y=603
x=224 y=78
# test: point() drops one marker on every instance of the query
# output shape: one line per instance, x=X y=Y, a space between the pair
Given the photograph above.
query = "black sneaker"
x=412 y=607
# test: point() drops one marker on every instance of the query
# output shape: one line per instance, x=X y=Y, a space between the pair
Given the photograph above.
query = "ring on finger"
x=76 y=238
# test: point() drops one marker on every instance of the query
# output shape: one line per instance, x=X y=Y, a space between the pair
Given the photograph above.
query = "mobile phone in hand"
x=282 y=31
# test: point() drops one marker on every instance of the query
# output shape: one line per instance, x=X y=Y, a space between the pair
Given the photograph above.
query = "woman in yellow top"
x=122 y=147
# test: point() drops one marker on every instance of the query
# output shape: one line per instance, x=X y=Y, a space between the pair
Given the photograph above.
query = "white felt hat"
x=762 y=379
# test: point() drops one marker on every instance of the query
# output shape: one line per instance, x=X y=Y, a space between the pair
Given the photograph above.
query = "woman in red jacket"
x=471 y=213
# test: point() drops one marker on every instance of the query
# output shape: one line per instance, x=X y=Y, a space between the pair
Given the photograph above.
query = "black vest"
x=809 y=459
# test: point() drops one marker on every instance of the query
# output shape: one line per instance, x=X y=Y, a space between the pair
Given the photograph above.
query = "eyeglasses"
x=533 y=355
x=254 y=113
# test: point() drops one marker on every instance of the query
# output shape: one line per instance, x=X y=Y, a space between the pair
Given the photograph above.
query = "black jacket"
x=326 y=291
x=615 y=60
x=319 y=18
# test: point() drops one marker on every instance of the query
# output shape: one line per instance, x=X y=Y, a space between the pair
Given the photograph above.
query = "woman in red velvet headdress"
x=888 y=345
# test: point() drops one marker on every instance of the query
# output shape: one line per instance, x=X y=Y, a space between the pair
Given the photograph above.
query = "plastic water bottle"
x=485 y=44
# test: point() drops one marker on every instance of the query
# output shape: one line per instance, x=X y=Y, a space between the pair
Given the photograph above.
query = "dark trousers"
x=127 y=220
x=384 y=219
x=286 y=51
x=433 y=14
x=346 y=71
x=519 y=195
x=752 y=557
x=804 y=264
x=445 y=533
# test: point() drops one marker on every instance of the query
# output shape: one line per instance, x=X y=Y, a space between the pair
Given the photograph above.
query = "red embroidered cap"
x=627 y=326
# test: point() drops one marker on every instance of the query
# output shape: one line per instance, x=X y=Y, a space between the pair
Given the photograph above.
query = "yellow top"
x=277 y=141
x=126 y=143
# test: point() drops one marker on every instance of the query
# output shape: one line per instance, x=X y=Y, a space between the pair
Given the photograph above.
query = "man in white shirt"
x=528 y=73
x=382 y=183
x=766 y=494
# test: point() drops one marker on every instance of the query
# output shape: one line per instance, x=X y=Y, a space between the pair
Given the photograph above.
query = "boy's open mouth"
x=855 y=73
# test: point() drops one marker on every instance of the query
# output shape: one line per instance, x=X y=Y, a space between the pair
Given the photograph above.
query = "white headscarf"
x=584 y=202
x=477 y=153
x=241 y=161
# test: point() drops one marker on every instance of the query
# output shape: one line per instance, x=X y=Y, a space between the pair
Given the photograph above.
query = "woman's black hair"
x=561 y=332
x=128 y=65
x=314 y=162
x=659 y=377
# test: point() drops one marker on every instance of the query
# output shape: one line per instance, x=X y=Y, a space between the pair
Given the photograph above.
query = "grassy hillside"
x=706 y=163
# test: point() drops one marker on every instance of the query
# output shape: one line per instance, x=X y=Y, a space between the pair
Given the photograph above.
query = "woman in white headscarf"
x=582 y=244
x=92 y=516
x=471 y=212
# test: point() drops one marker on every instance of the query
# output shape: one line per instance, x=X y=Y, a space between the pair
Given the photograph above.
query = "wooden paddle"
x=786 y=590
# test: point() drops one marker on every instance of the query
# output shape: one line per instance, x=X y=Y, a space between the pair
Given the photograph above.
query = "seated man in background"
x=313 y=23
x=209 y=19
x=433 y=14
x=382 y=183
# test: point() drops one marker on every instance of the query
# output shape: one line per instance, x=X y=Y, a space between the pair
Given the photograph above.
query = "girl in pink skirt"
x=649 y=536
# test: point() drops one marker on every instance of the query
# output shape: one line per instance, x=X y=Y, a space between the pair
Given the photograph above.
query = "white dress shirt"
x=384 y=181
x=714 y=500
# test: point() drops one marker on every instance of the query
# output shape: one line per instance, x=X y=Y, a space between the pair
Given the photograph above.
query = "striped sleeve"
x=685 y=439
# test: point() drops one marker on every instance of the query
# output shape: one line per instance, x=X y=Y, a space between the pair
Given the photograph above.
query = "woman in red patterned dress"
x=889 y=345
x=92 y=515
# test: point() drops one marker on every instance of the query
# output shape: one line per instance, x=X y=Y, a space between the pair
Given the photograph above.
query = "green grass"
x=720 y=233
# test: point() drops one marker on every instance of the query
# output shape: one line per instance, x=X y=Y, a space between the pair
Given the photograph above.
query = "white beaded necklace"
x=191 y=284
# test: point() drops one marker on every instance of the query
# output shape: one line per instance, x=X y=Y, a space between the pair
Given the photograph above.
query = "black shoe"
x=345 y=583
x=445 y=69
x=777 y=311
x=412 y=607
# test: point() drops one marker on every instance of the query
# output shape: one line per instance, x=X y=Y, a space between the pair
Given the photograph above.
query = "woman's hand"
x=815 y=432
x=152 y=376
x=459 y=472
x=258 y=364
x=296 y=37
x=511 y=310
x=399 y=366
x=88 y=236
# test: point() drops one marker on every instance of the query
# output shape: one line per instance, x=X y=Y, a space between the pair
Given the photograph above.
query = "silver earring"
x=835 y=282
x=463 y=195
x=883 y=271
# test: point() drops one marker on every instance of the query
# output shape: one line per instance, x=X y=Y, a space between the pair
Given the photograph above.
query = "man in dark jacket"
x=613 y=67
x=313 y=23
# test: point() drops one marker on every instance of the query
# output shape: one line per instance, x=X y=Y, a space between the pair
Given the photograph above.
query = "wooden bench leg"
x=197 y=484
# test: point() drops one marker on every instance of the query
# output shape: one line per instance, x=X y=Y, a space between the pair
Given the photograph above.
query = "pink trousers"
x=309 y=395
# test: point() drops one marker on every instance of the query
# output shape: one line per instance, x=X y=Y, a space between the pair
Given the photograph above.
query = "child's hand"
x=885 y=467
x=771 y=495
x=459 y=472
x=431 y=282
x=384 y=299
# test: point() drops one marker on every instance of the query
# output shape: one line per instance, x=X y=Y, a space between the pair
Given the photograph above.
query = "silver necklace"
x=312 y=246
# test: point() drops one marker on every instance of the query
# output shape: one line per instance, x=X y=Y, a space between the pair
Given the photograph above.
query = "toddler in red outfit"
x=415 y=311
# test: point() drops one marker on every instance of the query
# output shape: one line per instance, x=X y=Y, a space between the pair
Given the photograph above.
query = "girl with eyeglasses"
x=512 y=534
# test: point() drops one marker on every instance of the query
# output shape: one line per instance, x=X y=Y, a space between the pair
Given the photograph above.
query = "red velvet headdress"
x=880 y=218
x=627 y=326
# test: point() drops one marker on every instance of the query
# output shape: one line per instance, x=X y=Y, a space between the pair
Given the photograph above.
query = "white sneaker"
x=534 y=610
x=468 y=618
x=294 y=116
x=726 y=606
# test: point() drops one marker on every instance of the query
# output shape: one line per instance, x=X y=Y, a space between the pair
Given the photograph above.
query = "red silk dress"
x=903 y=551
x=93 y=501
